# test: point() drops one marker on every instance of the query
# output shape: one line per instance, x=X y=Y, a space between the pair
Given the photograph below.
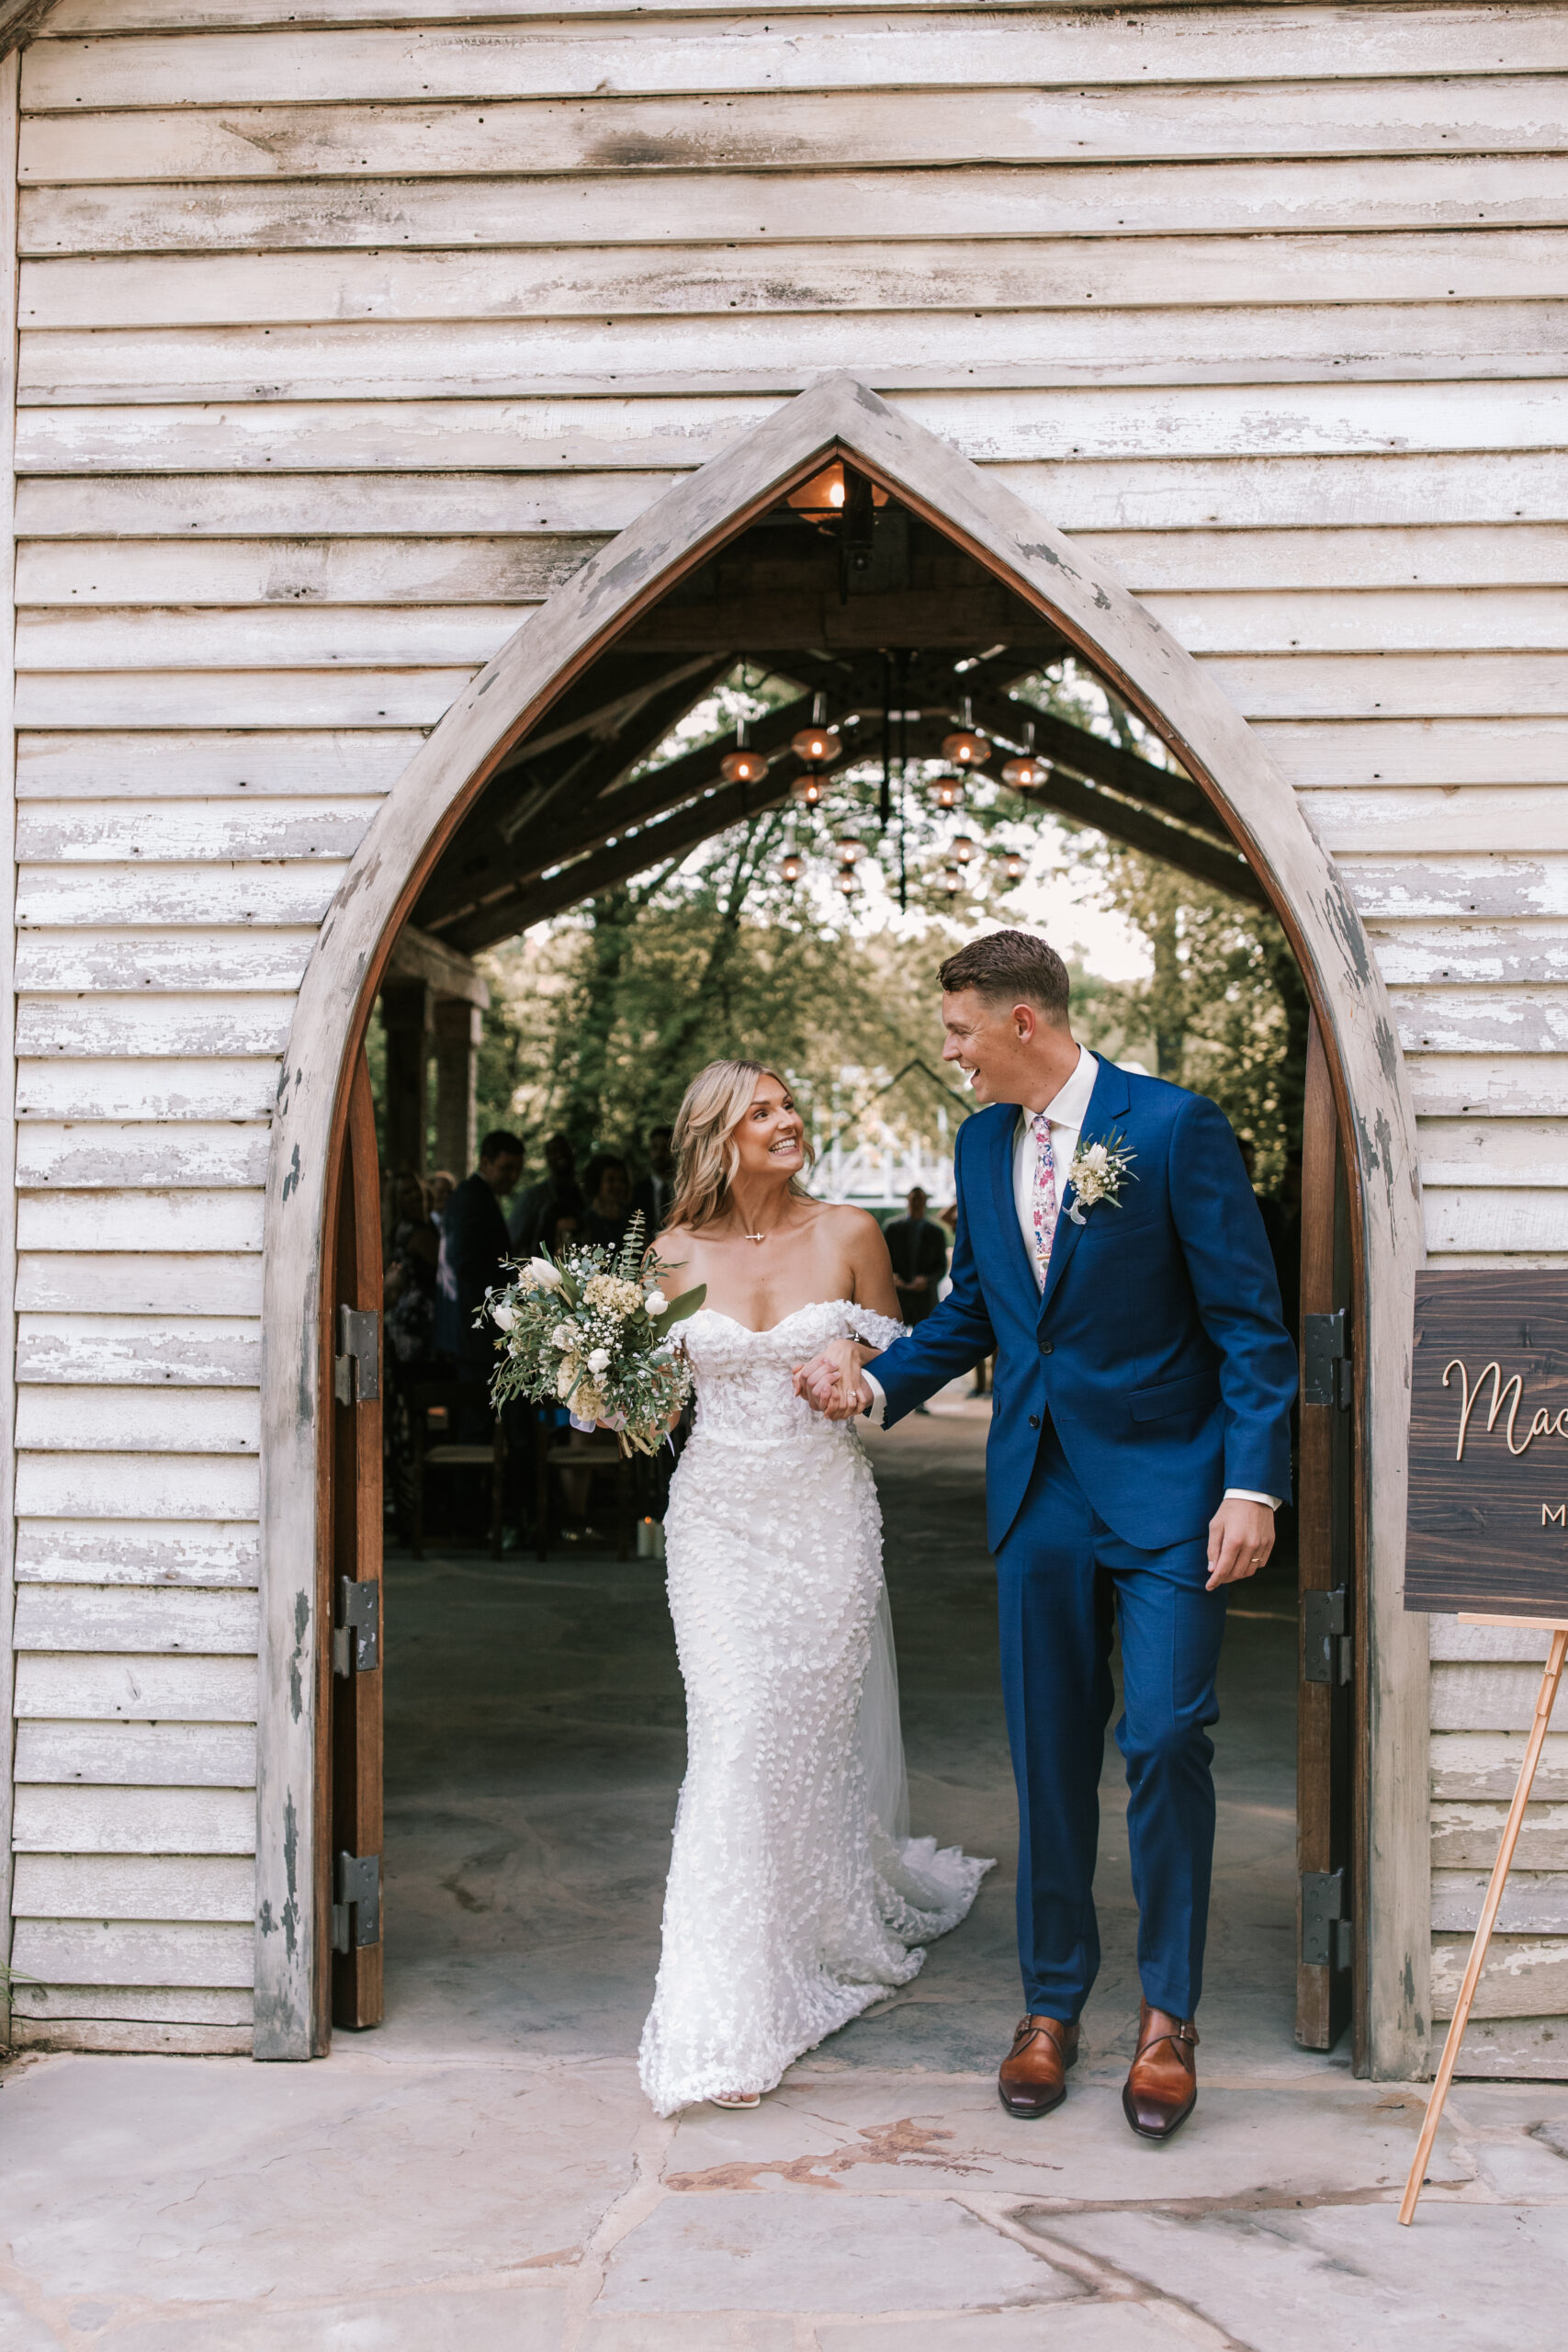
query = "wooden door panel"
x=353 y=1353
x=1327 y=1582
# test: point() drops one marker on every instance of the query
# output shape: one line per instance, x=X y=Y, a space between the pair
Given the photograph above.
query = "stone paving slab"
x=1464 y=2279
x=522 y=2320
x=873 y=2134
x=760 y=2252
x=215 y=2180
x=1065 y=2327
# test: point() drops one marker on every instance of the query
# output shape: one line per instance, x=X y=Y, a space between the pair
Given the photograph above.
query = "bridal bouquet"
x=593 y=1331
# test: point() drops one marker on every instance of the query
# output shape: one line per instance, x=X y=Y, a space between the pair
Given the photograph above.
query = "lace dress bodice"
x=744 y=1389
x=791 y=1905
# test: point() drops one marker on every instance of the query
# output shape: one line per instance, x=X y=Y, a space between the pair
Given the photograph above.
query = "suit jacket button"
x=1034 y=1420
x=1047 y=1347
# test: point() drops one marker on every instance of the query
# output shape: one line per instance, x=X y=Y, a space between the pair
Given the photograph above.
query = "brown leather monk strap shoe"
x=1161 y=2089
x=1033 y=2078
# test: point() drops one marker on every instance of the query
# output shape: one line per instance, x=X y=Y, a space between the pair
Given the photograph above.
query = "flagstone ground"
x=482 y=2171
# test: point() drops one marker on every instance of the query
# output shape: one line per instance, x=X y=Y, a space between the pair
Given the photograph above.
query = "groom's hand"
x=831 y=1383
x=1241 y=1536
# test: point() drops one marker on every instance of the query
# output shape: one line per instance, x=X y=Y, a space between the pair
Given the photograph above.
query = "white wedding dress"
x=796 y=1897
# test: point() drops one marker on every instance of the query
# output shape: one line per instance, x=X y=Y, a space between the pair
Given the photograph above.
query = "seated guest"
x=652 y=1194
x=535 y=1201
x=607 y=1188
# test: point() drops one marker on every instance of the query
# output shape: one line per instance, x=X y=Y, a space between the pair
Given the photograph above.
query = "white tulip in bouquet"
x=594 y=1330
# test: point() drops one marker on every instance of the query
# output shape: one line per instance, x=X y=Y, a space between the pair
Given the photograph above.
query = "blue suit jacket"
x=1157 y=1349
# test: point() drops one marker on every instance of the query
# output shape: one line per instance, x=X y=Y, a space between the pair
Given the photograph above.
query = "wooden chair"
x=443 y=1402
x=604 y=1454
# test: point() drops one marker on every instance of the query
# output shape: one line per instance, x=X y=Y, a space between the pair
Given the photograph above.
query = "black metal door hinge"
x=357 y=1913
x=1326 y=1940
x=356 y=1367
x=1327 y=1649
x=1325 y=1360
x=357 y=1637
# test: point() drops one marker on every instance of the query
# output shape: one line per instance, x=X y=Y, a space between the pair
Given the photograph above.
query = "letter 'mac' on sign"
x=1554 y=1515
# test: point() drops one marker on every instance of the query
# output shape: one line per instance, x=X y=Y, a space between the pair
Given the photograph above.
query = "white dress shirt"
x=1066 y=1110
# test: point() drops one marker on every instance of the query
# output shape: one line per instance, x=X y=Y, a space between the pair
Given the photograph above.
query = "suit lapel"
x=1003 y=1201
x=1107 y=1105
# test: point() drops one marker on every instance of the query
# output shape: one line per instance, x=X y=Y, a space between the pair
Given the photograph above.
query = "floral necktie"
x=1044 y=1195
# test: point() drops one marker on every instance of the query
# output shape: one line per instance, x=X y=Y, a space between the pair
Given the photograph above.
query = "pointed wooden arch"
x=1175 y=695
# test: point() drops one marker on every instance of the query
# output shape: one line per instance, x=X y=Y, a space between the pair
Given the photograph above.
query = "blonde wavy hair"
x=707 y=1154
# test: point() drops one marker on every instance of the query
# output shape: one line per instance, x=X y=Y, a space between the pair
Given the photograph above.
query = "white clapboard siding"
x=205 y=765
x=106 y=1280
x=90 y=1086
x=139 y=1421
x=64 y=1484
x=1468 y=1766
x=1534 y=1902
x=181 y=831
x=1460 y=1086
x=1465 y=1836
x=1481 y=1020
x=1507 y=1152
x=734 y=352
x=234 y=571
x=426 y=63
x=1401 y=896
x=231 y=893
x=174 y=2020
x=156 y=1690
x=993 y=426
x=95 y=1155
x=78 y=1819
x=1409 y=818
x=135 y=1617
x=1491 y=116
x=82 y=1951
x=1476 y=1221
x=138 y=1552
x=165 y=698
x=1346 y=502
x=1427 y=953
x=218 y=1221
x=1410 y=192
x=1009 y=275
x=136 y=1761
x=151 y=1886
x=202 y=1352
x=72 y=957
x=161 y=1025
x=307 y=631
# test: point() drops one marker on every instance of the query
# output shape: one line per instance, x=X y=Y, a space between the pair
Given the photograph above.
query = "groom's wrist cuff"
x=878 y=1405
x=1245 y=1495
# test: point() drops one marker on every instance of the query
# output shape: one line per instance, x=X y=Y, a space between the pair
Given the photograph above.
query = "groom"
x=1140 y=1444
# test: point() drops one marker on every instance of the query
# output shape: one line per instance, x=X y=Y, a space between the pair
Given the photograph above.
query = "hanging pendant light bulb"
x=961 y=849
x=817 y=744
x=1014 y=865
x=1026 y=773
x=952 y=880
x=810 y=787
x=850 y=848
x=846 y=881
x=968 y=747
x=742 y=765
x=947 y=791
x=791 y=867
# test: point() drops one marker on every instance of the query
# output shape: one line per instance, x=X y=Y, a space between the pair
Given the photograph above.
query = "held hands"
x=1241 y=1536
x=831 y=1383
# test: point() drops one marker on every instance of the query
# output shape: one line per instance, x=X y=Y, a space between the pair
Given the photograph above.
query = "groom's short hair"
x=1004 y=966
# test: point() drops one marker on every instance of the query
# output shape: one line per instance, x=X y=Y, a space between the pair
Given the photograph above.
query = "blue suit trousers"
x=1064 y=1580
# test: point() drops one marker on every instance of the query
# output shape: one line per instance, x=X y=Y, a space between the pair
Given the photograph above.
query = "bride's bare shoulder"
x=854 y=1228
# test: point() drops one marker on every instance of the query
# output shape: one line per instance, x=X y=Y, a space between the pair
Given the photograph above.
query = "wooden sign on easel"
x=1488 y=1524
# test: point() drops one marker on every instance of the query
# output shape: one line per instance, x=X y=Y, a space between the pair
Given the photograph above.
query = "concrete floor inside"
x=483 y=2171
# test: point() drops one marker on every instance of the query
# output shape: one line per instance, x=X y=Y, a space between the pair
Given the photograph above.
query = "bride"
x=796 y=1897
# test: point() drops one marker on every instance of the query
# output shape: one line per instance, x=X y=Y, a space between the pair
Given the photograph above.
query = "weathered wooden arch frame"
x=1209 y=737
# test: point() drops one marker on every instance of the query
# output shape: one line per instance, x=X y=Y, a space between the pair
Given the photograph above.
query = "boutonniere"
x=1097 y=1174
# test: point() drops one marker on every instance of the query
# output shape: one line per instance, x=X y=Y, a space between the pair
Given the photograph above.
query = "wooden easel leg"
x=1543 y=1705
